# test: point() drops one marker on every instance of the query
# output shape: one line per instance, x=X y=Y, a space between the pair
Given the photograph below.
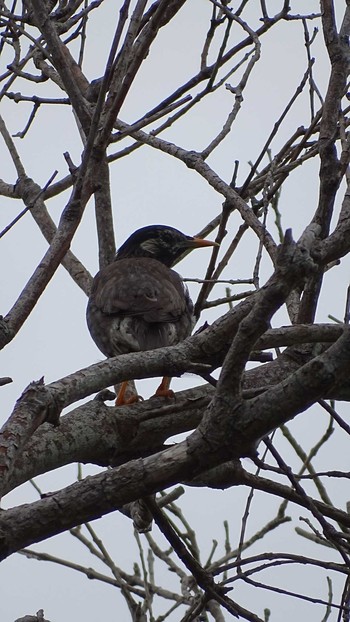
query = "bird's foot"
x=163 y=389
x=134 y=399
x=164 y=393
x=126 y=397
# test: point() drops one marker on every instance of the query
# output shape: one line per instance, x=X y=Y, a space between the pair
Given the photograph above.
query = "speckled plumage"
x=137 y=302
x=140 y=304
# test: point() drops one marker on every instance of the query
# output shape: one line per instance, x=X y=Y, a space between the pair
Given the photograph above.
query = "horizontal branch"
x=98 y=434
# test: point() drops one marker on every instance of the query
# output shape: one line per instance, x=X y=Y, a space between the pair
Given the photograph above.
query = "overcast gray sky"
x=147 y=187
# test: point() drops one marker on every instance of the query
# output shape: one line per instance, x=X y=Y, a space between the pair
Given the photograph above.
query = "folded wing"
x=138 y=305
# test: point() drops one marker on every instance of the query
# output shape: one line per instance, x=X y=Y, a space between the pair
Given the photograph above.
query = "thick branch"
x=330 y=168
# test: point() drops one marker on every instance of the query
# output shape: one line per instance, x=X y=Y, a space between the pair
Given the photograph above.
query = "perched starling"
x=137 y=302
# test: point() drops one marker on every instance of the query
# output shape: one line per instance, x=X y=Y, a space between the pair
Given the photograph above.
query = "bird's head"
x=160 y=242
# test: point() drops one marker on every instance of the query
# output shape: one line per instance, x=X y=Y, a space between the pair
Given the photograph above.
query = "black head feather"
x=160 y=242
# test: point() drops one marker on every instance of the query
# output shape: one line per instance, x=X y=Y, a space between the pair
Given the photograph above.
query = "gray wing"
x=138 y=305
x=143 y=288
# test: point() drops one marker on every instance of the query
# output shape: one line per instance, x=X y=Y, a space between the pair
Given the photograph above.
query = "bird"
x=138 y=302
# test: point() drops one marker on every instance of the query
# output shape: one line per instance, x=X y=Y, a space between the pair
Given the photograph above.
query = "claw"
x=163 y=389
x=123 y=399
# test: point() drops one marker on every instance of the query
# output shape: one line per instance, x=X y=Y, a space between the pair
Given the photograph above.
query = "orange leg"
x=163 y=389
x=123 y=399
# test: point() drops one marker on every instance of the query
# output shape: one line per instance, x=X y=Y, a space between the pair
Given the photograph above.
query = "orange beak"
x=199 y=243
